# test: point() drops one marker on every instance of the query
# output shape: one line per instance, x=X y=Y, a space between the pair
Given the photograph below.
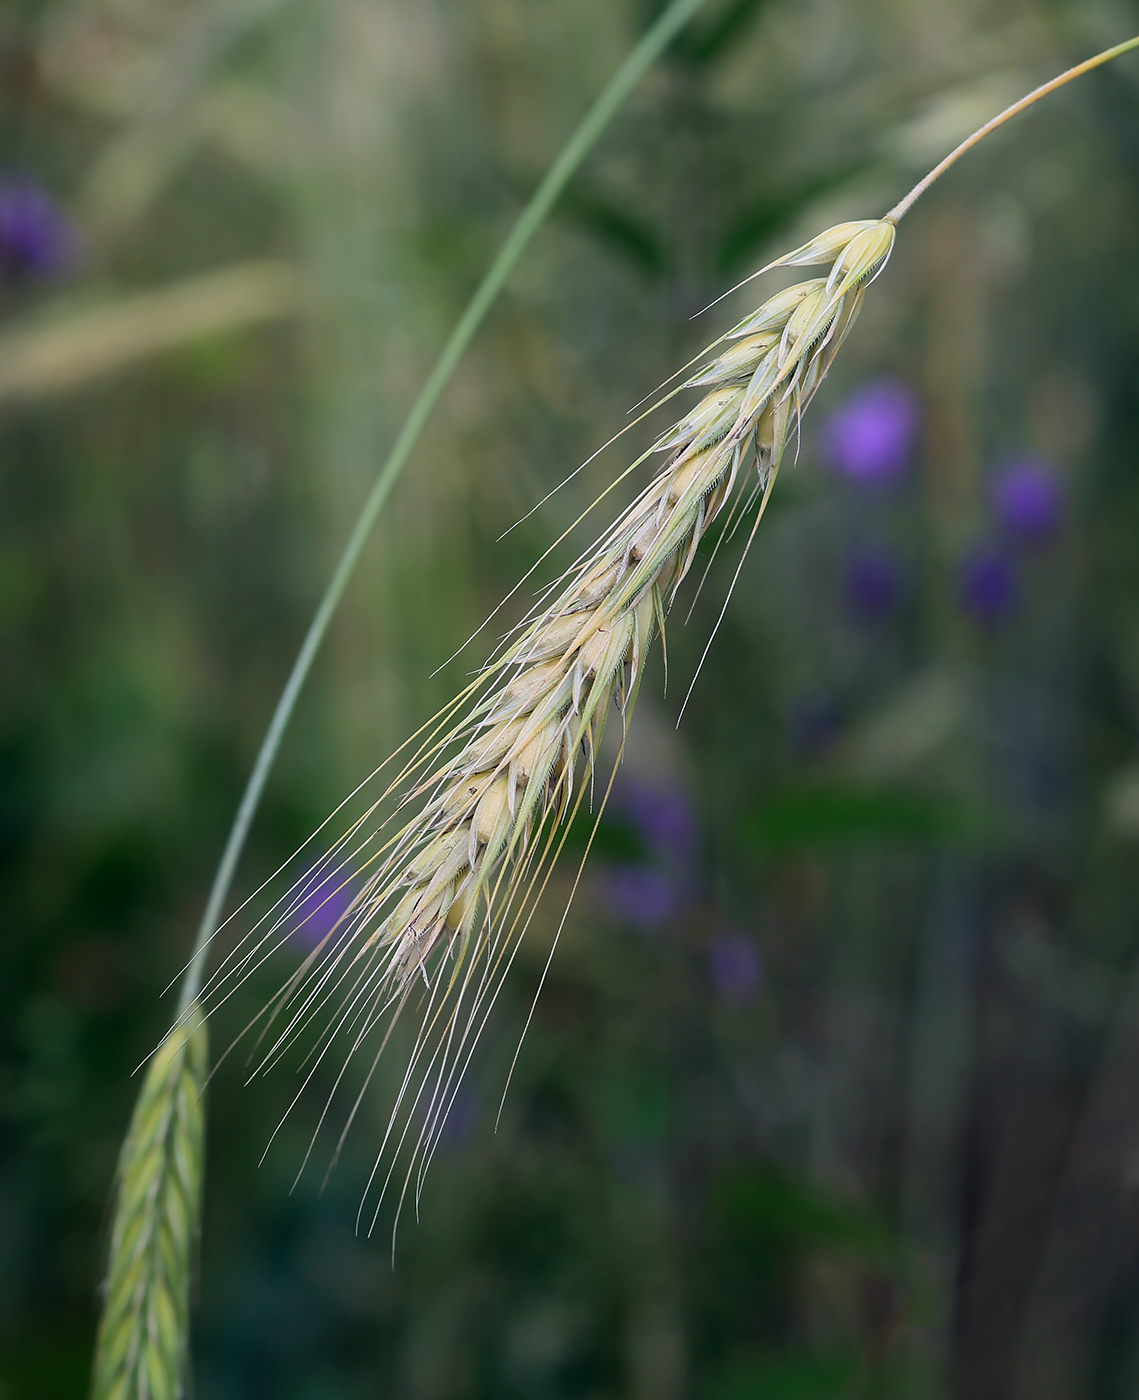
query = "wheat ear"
x=140 y=1352
x=451 y=890
x=553 y=686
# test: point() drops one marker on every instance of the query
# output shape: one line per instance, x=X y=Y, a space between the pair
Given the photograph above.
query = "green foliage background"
x=905 y=1162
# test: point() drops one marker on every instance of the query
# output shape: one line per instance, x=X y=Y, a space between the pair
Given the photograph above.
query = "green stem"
x=604 y=109
x=1035 y=95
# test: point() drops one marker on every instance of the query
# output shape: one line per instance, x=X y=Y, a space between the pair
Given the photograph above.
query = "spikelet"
x=141 y=1349
x=495 y=782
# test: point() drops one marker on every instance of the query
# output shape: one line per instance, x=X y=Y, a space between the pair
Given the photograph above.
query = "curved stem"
x=900 y=209
x=608 y=103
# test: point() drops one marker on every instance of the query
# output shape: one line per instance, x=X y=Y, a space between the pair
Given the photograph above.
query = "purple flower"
x=1028 y=499
x=641 y=895
x=735 y=967
x=990 y=588
x=327 y=899
x=869 y=438
x=873 y=583
x=36 y=238
x=461 y=1118
x=662 y=817
x=813 y=723
x=651 y=890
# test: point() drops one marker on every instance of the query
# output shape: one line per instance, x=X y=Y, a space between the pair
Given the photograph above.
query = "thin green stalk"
x=606 y=107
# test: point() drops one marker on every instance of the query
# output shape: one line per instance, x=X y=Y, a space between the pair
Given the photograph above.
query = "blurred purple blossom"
x=460 y=1120
x=36 y=237
x=652 y=888
x=813 y=723
x=641 y=895
x=873 y=583
x=990 y=588
x=870 y=437
x=327 y=899
x=1028 y=499
x=661 y=815
x=735 y=967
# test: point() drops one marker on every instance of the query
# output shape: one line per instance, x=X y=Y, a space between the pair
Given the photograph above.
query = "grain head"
x=483 y=805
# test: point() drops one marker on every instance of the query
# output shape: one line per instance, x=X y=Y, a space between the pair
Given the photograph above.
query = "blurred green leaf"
x=613 y=225
x=760 y=221
x=763 y=1206
x=838 y=815
x=21 y=583
x=49 y=1361
x=802 y=1376
x=634 y=1105
x=702 y=44
x=615 y=839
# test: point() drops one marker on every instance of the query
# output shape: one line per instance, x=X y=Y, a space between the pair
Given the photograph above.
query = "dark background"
x=833 y=1090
